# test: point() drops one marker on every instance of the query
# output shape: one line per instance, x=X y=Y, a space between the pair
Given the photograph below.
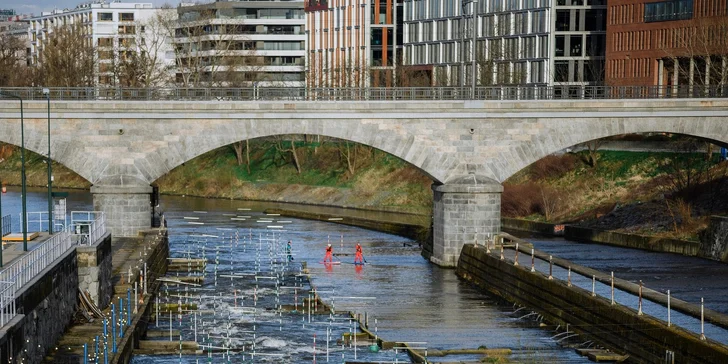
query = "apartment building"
x=243 y=42
x=15 y=25
x=353 y=43
x=113 y=29
x=517 y=42
x=667 y=43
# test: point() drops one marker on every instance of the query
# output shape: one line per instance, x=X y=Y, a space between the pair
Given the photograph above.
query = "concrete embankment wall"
x=157 y=263
x=577 y=233
x=45 y=307
x=617 y=327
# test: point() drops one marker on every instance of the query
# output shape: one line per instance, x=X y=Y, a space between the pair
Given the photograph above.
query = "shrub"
x=552 y=166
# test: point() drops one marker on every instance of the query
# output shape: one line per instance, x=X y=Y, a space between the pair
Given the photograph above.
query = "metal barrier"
x=87 y=227
x=26 y=268
x=7 y=302
x=5 y=225
x=557 y=92
x=37 y=221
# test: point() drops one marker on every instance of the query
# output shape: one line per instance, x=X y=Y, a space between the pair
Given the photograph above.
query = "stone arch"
x=70 y=156
x=565 y=133
x=424 y=158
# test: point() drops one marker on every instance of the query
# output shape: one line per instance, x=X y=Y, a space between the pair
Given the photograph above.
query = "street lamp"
x=24 y=218
x=47 y=93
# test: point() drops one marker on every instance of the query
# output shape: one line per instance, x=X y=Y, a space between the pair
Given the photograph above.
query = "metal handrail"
x=7 y=302
x=5 y=225
x=27 y=267
x=558 y=92
x=87 y=227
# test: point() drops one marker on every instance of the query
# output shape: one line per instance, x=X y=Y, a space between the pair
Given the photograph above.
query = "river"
x=410 y=299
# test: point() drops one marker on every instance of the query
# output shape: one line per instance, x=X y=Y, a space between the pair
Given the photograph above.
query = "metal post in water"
x=669 y=323
x=702 y=319
x=128 y=308
x=195 y=318
x=121 y=319
x=533 y=261
x=96 y=351
x=502 y=257
x=113 y=329
x=136 y=301
x=146 y=278
x=594 y=285
x=568 y=282
x=170 y=325
x=314 y=348
x=612 y=287
x=639 y=303
x=85 y=353
x=515 y=260
x=551 y=267
x=157 y=309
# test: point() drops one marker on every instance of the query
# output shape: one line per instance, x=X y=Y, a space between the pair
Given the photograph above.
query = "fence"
x=374 y=93
x=87 y=227
x=7 y=302
x=6 y=225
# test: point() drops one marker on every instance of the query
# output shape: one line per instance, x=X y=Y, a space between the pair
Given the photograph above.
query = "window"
x=562 y=20
x=126 y=16
x=561 y=71
x=105 y=17
x=106 y=42
x=127 y=29
x=559 y=46
x=668 y=10
x=575 y=45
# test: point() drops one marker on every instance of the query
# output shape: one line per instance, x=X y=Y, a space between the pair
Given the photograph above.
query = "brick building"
x=667 y=43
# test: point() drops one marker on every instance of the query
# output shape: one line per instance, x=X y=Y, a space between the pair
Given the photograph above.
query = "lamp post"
x=47 y=93
x=24 y=218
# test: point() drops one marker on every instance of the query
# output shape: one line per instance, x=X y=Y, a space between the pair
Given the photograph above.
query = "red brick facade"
x=646 y=46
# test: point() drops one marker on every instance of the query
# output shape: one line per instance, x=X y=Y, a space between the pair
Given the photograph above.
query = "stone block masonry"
x=94 y=271
x=463 y=211
x=128 y=209
x=45 y=306
x=617 y=327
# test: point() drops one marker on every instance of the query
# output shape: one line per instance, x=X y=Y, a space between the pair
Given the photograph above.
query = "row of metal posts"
x=593 y=292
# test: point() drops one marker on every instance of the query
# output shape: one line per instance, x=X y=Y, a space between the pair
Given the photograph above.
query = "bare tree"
x=284 y=147
x=68 y=58
x=239 y=147
x=13 y=69
x=592 y=148
x=699 y=53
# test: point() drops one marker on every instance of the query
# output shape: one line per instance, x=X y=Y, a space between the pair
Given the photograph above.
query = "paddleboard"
x=355 y=263
x=331 y=263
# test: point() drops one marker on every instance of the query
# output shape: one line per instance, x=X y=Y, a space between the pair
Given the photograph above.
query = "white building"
x=241 y=42
x=112 y=28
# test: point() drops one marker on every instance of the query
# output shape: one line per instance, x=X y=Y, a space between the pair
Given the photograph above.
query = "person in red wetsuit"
x=359 y=257
x=329 y=254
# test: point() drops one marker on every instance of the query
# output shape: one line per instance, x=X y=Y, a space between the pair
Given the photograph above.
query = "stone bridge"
x=467 y=147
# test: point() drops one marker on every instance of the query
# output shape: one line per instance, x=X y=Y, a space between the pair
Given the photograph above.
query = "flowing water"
x=406 y=299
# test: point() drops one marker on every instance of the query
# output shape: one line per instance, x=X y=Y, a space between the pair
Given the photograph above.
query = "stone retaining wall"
x=617 y=327
x=94 y=271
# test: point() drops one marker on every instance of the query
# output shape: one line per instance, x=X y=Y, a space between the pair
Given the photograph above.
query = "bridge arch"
x=401 y=146
x=569 y=133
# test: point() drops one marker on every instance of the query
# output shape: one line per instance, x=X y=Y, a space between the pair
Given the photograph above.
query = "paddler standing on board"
x=329 y=254
x=359 y=256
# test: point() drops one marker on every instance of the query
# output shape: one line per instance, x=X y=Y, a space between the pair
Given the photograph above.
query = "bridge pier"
x=127 y=208
x=465 y=209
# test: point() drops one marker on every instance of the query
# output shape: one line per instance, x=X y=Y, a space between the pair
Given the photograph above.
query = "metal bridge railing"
x=5 y=225
x=559 y=92
x=7 y=302
x=87 y=227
